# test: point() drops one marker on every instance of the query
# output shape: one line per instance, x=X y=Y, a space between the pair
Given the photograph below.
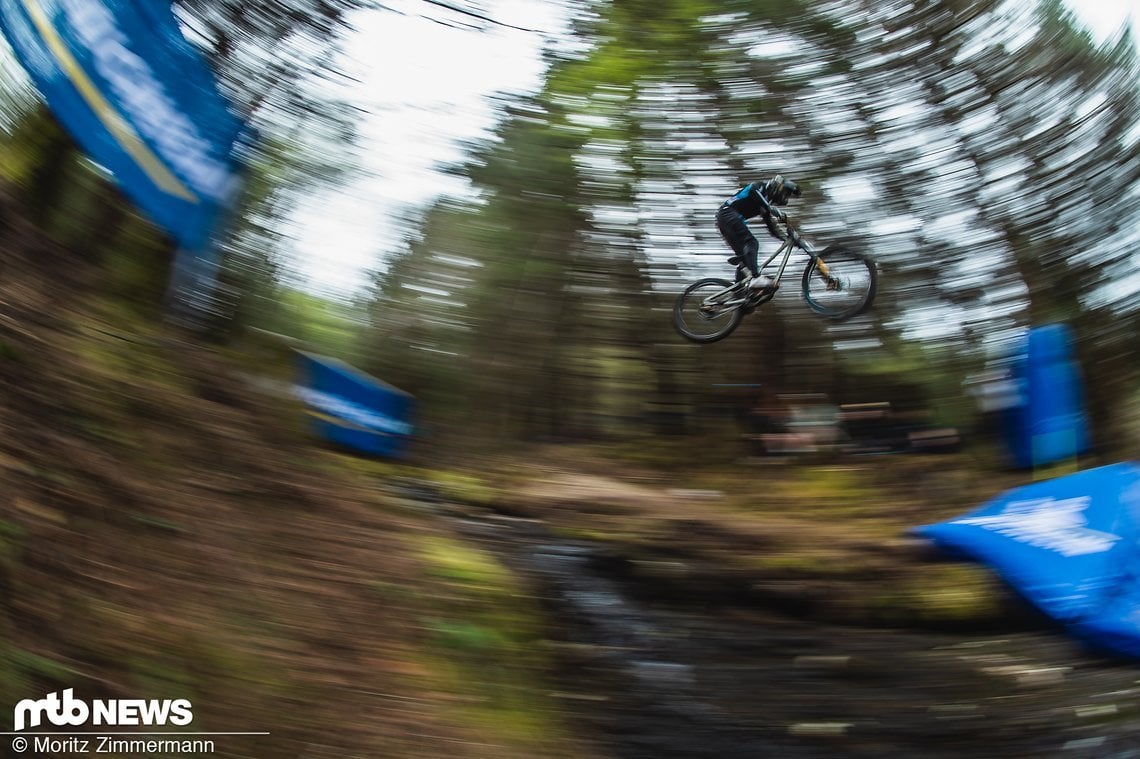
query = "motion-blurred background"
x=491 y=206
x=984 y=152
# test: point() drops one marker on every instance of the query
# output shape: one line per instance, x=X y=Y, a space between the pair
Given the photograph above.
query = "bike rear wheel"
x=702 y=314
x=848 y=287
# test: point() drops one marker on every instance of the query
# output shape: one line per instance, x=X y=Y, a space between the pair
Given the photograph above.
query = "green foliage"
x=323 y=324
x=621 y=143
x=592 y=202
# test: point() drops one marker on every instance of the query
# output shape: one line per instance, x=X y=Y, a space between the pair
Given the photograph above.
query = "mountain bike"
x=838 y=283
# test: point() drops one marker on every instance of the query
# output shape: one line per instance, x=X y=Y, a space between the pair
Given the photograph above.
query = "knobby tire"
x=687 y=305
x=857 y=271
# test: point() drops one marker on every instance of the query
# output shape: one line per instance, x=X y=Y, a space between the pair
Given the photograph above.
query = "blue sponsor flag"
x=353 y=409
x=1071 y=546
x=139 y=99
x=1050 y=423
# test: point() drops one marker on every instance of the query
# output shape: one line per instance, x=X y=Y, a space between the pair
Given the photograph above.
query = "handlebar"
x=793 y=232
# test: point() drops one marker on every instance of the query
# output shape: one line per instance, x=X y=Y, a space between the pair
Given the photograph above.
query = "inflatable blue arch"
x=1071 y=546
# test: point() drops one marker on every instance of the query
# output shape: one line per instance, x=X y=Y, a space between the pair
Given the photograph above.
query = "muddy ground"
x=686 y=629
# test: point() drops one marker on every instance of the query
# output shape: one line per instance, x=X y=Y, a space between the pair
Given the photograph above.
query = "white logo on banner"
x=1048 y=523
x=345 y=409
x=145 y=99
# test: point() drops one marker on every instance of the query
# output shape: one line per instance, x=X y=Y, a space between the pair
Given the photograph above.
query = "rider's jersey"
x=750 y=200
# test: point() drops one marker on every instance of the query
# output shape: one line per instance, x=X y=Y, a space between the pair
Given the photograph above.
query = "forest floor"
x=167 y=530
x=782 y=608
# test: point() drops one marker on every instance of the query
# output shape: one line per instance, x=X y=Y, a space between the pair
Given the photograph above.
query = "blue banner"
x=1071 y=546
x=139 y=99
x=1050 y=424
x=352 y=409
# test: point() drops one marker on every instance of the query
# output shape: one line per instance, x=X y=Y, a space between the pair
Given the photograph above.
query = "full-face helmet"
x=779 y=190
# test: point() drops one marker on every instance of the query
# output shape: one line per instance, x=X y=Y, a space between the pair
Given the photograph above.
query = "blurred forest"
x=168 y=528
x=985 y=153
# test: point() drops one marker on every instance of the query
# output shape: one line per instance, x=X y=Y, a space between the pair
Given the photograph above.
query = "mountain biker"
x=755 y=199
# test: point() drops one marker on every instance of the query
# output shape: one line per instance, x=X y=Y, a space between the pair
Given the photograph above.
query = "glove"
x=770 y=221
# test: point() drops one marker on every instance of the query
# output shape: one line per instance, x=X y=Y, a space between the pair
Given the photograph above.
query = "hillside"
x=166 y=533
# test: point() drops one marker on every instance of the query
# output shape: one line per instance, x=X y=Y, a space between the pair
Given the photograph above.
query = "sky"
x=427 y=86
x=1105 y=17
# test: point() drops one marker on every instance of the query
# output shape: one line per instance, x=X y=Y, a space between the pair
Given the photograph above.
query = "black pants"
x=734 y=229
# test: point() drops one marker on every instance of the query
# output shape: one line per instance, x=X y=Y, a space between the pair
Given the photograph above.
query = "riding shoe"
x=760 y=282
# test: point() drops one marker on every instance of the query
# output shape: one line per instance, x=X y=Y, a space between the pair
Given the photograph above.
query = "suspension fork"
x=821 y=266
x=833 y=283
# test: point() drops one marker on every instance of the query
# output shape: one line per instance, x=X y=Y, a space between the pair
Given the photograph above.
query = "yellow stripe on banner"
x=127 y=138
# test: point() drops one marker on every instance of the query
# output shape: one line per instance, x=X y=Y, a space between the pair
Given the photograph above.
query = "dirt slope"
x=167 y=533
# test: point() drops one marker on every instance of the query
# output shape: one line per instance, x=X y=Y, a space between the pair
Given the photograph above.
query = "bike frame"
x=791 y=242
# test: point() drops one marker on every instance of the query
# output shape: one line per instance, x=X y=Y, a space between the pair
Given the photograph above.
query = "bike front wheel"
x=708 y=310
x=840 y=283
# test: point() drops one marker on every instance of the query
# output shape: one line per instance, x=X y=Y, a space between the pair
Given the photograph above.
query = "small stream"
x=650 y=675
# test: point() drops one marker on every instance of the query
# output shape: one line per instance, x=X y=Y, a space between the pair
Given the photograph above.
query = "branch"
x=479 y=16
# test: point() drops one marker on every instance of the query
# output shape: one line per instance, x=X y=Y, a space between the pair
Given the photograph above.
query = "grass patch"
x=487 y=650
x=463 y=487
x=939 y=595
